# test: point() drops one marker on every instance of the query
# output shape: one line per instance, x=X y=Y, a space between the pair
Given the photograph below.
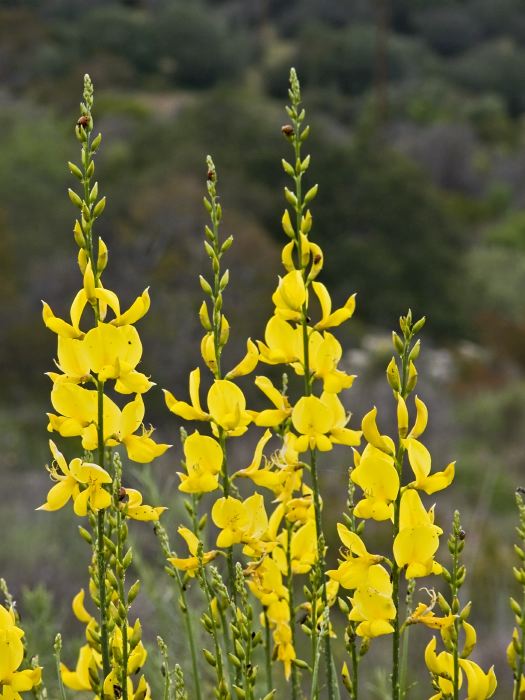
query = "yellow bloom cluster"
x=89 y=661
x=12 y=680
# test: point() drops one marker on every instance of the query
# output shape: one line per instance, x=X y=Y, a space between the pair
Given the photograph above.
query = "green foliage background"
x=418 y=146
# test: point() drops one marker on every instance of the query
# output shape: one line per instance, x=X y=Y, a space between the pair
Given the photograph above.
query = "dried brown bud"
x=287 y=130
x=83 y=121
x=211 y=175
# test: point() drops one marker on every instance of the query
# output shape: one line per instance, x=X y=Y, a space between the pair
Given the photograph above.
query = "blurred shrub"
x=346 y=59
x=449 y=30
x=381 y=223
x=196 y=46
x=498 y=67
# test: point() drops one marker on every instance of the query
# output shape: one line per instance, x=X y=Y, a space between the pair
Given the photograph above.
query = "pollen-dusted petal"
x=203 y=452
x=88 y=473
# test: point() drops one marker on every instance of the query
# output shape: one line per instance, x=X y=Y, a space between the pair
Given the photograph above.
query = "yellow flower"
x=112 y=686
x=203 y=459
x=266 y=582
x=282 y=637
x=480 y=685
x=330 y=319
x=69 y=482
x=441 y=666
x=290 y=296
x=372 y=605
x=247 y=364
x=376 y=474
x=11 y=656
x=185 y=410
x=325 y=352
x=418 y=538
x=303 y=549
x=272 y=416
x=354 y=569
x=320 y=422
x=191 y=564
x=79 y=416
x=105 y=297
x=136 y=510
x=283 y=343
x=240 y=521
x=226 y=405
x=79 y=678
x=424 y=614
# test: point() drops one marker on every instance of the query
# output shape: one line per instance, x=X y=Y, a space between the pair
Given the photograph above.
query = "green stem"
x=268 y=652
x=218 y=653
x=320 y=565
x=396 y=572
x=455 y=608
x=405 y=642
x=164 y=543
x=101 y=555
x=520 y=664
x=291 y=606
x=297 y=119
x=61 y=689
x=121 y=578
x=355 y=670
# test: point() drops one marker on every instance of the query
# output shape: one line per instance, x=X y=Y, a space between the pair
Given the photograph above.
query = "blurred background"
x=418 y=145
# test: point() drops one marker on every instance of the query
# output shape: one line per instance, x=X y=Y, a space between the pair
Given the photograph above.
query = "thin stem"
x=297 y=119
x=218 y=653
x=291 y=606
x=405 y=641
x=58 y=647
x=521 y=654
x=355 y=670
x=164 y=543
x=396 y=572
x=268 y=652
x=101 y=555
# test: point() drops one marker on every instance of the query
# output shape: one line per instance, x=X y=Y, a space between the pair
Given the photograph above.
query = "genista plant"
x=250 y=557
x=98 y=359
